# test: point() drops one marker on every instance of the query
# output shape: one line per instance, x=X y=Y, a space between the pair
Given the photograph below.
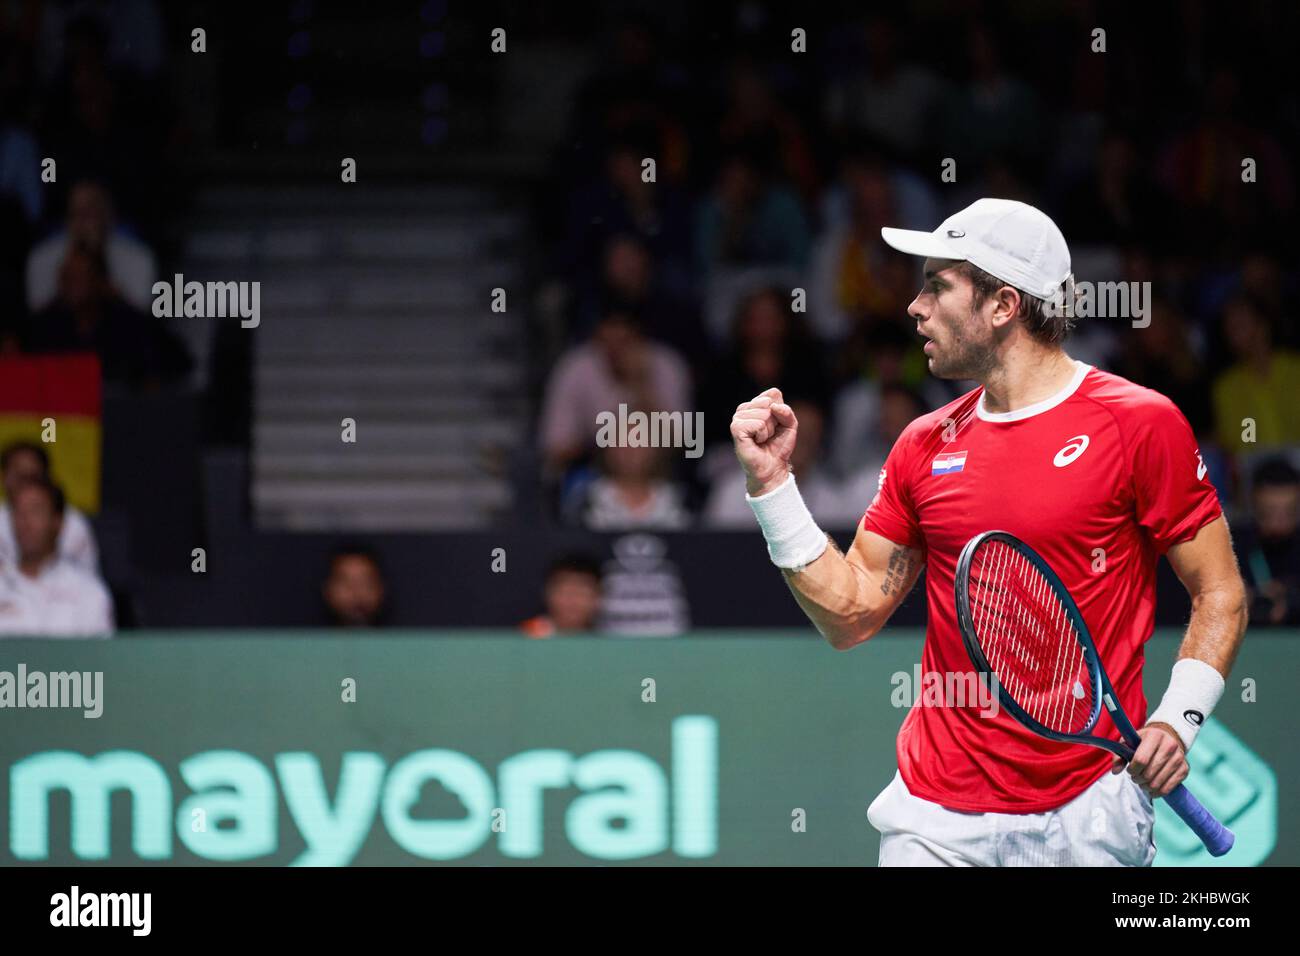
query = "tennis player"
x=1099 y=475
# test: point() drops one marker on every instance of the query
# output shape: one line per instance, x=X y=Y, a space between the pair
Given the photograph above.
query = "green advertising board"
x=470 y=748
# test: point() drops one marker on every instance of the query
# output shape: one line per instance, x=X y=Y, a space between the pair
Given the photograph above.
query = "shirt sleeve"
x=890 y=513
x=97 y=617
x=561 y=407
x=77 y=542
x=1173 y=495
x=672 y=381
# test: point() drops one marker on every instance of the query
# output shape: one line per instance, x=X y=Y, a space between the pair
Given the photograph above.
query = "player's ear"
x=1005 y=306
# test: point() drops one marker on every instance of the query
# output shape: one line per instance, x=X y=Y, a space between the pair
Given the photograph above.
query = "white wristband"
x=793 y=539
x=1194 y=689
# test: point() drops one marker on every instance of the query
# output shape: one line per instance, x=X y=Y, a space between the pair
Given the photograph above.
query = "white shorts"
x=1112 y=823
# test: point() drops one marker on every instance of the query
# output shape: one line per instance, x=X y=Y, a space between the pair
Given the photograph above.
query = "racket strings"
x=1028 y=638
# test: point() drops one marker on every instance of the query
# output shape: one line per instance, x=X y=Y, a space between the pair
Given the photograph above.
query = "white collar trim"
x=1037 y=408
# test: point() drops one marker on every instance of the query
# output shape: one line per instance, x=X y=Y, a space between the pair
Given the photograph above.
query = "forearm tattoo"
x=897 y=572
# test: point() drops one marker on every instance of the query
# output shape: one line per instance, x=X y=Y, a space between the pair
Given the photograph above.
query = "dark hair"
x=15 y=448
x=1039 y=320
x=574 y=564
x=1274 y=473
x=57 y=500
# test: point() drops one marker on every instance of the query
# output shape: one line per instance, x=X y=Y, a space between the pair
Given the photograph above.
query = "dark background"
x=496 y=165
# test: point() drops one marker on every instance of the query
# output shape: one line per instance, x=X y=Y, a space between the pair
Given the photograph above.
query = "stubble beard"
x=966 y=358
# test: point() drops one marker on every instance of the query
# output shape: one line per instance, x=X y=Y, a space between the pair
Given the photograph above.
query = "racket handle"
x=1217 y=838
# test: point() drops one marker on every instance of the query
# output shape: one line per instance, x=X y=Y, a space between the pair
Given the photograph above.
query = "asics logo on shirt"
x=1072 y=450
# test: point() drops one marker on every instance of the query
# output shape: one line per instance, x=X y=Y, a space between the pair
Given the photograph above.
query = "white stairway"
x=375 y=306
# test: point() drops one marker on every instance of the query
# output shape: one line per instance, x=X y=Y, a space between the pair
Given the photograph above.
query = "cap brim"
x=917 y=243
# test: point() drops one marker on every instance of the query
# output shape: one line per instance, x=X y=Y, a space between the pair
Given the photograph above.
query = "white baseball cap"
x=1009 y=240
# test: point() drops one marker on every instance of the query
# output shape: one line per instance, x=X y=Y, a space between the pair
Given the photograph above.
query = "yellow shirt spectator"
x=1271 y=399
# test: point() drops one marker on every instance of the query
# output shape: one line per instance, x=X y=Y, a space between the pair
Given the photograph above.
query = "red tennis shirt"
x=1101 y=479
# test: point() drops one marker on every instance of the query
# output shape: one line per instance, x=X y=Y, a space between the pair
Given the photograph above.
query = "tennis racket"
x=1021 y=627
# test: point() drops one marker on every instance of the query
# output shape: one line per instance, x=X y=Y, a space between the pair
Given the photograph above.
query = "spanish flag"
x=54 y=401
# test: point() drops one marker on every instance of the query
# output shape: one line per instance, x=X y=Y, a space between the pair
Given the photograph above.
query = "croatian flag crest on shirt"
x=948 y=462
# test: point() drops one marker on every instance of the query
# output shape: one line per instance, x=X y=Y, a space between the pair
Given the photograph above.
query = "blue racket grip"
x=1217 y=838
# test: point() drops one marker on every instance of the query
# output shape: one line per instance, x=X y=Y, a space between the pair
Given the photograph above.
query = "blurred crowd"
x=87 y=177
x=749 y=254
x=746 y=253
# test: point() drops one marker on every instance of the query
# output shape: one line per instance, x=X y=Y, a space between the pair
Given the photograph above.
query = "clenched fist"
x=764 y=431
